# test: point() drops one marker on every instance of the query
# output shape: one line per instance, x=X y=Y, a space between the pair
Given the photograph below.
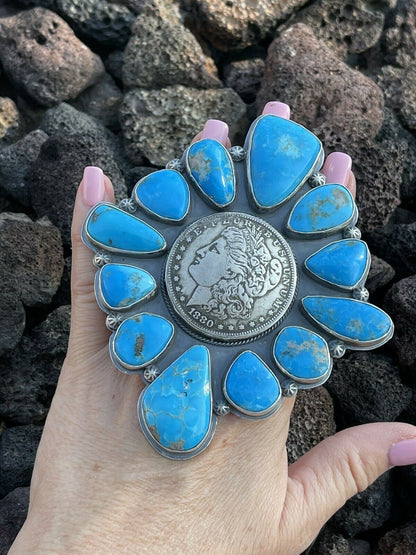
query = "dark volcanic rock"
x=399 y=38
x=401 y=305
x=17 y=455
x=42 y=56
x=379 y=275
x=160 y=123
x=15 y=161
x=105 y=22
x=162 y=52
x=400 y=541
x=399 y=90
x=366 y=387
x=244 y=76
x=311 y=421
x=114 y=64
x=13 y=511
x=29 y=373
x=10 y=122
x=331 y=543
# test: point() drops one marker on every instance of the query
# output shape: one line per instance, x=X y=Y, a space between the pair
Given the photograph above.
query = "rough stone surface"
x=366 y=387
x=330 y=543
x=244 y=76
x=347 y=27
x=17 y=455
x=13 y=511
x=42 y=56
x=107 y=23
x=160 y=123
x=238 y=24
x=367 y=510
x=311 y=421
x=162 y=52
x=399 y=38
x=400 y=541
x=114 y=64
x=401 y=305
x=398 y=86
x=10 y=122
x=29 y=373
x=325 y=95
x=15 y=161
x=379 y=275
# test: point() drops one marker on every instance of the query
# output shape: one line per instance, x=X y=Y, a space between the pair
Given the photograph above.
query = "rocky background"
x=124 y=85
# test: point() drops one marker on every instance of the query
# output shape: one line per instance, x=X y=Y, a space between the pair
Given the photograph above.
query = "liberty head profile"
x=232 y=271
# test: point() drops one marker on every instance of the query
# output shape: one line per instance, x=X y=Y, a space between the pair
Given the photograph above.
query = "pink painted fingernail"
x=215 y=129
x=277 y=109
x=337 y=168
x=403 y=452
x=93 y=189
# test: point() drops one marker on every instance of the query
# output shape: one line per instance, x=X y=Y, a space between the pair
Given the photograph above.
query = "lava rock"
x=101 y=101
x=379 y=275
x=244 y=76
x=399 y=37
x=29 y=373
x=114 y=64
x=238 y=24
x=367 y=510
x=15 y=161
x=162 y=52
x=400 y=541
x=160 y=123
x=311 y=421
x=366 y=387
x=331 y=543
x=328 y=97
x=398 y=85
x=13 y=511
x=401 y=304
x=10 y=122
x=104 y=22
x=17 y=455
x=42 y=56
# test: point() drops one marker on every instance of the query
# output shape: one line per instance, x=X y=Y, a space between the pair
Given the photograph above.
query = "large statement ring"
x=232 y=278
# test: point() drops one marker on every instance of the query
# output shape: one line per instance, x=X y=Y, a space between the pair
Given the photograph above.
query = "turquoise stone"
x=111 y=228
x=281 y=156
x=141 y=339
x=164 y=194
x=250 y=386
x=324 y=209
x=343 y=263
x=302 y=354
x=212 y=171
x=177 y=407
x=122 y=286
x=354 y=321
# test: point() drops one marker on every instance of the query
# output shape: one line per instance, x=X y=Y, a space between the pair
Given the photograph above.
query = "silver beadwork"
x=337 y=349
x=237 y=153
x=100 y=259
x=113 y=321
x=361 y=294
x=151 y=373
x=289 y=388
x=128 y=205
x=317 y=179
x=175 y=164
x=352 y=232
x=221 y=408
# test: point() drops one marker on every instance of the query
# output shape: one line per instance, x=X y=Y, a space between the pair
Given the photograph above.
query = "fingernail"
x=337 y=168
x=215 y=129
x=93 y=189
x=403 y=452
x=277 y=109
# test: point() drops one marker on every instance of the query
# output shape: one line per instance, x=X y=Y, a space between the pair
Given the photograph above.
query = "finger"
x=321 y=481
x=337 y=169
x=214 y=129
x=88 y=331
x=277 y=109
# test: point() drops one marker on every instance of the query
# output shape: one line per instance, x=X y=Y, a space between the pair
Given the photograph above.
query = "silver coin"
x=230 y=277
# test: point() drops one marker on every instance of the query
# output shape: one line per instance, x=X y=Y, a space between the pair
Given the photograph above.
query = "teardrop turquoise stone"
x=281 y=155
x=343 y=263
x=211 y=169
x=302 y=354
x=355 y=321
x=122 y=286
x=323 y=209
x=165 y=194
x=250 y=386
x=141 y=339
x=109 y=227
x=177 y=407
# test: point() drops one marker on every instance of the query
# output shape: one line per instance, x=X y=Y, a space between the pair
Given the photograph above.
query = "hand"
x=99 y=487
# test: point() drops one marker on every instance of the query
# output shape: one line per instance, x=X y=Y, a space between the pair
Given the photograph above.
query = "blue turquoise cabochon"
x=281 y=155
x=122 y=286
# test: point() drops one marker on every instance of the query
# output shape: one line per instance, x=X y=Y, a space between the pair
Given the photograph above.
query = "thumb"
x=321 y=481
x=88 y=332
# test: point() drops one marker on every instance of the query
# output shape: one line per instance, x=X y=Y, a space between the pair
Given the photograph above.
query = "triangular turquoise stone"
x=323 y=210
x=164 y=194
x=141 y=339
x=281 y=155
x=176 y=409
x=109 y=227
x=211 y=169
x=123 y=286
x=343 y=263
x=356 y=322
x=251 y=387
